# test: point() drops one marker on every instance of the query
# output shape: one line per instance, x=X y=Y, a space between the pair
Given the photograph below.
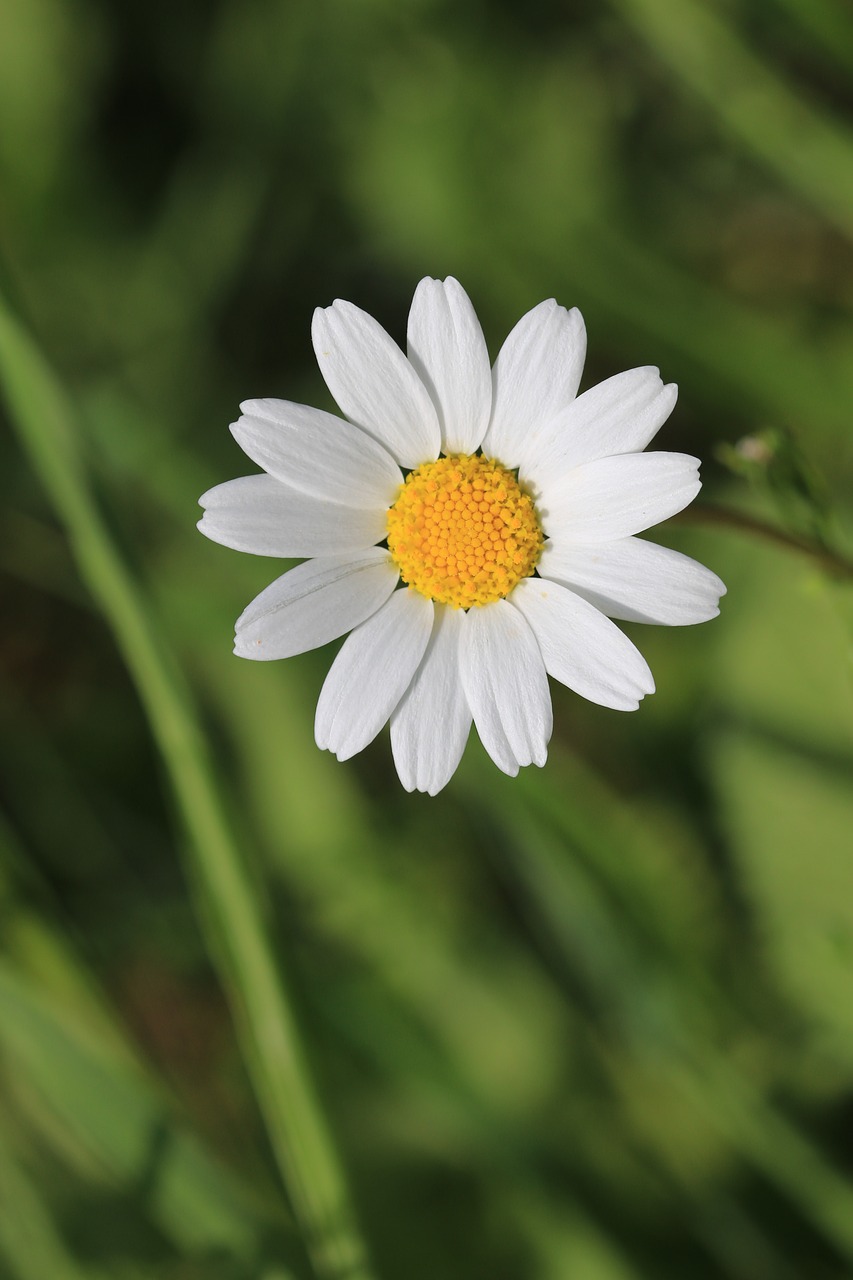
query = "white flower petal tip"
x=317 y=453
x=448 y=351
x=618 y=496
x=430 y=727
x=535 y=377
x=472 y=640
x=374 y=384
x=506 y=686
x=620 y=415
x=636 y=581
x=582 y=648
x=314 y=603
x=259 y=515
x=371 y=673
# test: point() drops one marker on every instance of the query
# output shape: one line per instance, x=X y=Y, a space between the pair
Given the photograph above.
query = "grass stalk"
x=809 y=151
x=239 y=942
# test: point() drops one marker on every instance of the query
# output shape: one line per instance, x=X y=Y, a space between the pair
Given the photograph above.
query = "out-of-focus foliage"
x=592 y=1023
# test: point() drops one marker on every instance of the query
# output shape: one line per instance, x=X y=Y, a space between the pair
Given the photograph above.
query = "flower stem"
x=702 y=513
x=231 y=916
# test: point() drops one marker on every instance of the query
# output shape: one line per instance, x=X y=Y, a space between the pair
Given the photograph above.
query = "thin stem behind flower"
x=703 y=513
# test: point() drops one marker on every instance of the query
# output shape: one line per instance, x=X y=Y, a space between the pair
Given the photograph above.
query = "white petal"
x=620 y=415
x=259 y=515
x=430 y=726
x=374 y=384
x=614 y=497
x=447 y=349
x=371 y=673
x=536 y=375
x=317 y=453
x=636 y=580
x=314 y=603
x=504 y=679
x=582 y=648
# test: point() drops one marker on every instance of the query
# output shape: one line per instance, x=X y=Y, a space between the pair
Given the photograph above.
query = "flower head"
x=473 y=528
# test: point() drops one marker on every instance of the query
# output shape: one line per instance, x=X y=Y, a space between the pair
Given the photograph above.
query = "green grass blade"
x=240 y=946
x=29 y=1243
x=87 y=1096
x=828 y=23
x=808 y=150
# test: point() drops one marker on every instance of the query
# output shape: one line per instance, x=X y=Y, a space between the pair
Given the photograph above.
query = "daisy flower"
x=471 y=527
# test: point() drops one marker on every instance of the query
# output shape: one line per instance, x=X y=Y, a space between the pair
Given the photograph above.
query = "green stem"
x=703 y=513
x=264 y=1020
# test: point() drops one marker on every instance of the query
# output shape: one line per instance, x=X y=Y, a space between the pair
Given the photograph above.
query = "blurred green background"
x=595 y=1023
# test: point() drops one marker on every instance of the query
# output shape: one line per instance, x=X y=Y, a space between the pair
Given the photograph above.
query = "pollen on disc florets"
x=463 y=532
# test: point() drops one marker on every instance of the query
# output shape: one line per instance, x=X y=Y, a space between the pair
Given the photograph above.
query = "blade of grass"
x=32 y=1248
x=808 y=150
x=240 y=946
x=829 y=25
x=88 y=1097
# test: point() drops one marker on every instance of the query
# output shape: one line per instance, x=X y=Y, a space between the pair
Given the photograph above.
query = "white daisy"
x=501 y=503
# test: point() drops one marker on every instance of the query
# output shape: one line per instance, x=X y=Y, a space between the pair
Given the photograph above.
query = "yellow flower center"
x=463 y=532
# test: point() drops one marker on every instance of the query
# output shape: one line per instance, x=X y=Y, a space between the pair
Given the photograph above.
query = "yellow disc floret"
x=463 y=532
